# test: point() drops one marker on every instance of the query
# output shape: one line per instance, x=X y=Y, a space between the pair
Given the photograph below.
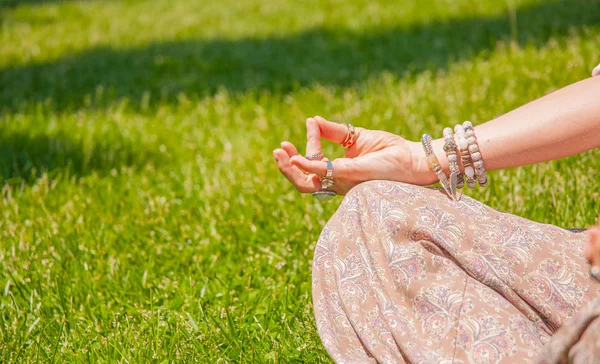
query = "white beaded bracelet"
x=476 y=157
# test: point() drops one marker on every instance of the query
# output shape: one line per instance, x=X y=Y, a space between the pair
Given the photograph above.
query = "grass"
x=142 y=217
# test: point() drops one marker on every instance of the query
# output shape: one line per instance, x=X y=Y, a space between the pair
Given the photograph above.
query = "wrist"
x=424 y=174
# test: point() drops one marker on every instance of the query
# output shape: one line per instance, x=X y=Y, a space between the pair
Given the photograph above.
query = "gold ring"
x=350 y=138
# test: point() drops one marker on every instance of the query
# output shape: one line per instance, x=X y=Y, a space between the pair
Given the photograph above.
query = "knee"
x=375 y=206
x=371 y=194
x=382 y=189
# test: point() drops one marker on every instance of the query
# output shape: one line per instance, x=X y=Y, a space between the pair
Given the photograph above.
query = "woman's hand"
x=375 y=155
x=592 y=248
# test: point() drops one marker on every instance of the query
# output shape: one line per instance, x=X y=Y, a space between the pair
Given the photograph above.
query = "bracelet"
x=434 y=164
x=465 y=156
x=476 y=157
x=450 y=149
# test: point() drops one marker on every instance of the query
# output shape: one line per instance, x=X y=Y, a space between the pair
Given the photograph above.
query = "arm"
x=561 y=124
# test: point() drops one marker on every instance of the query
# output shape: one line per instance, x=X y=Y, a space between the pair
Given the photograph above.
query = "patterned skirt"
x=401 y=273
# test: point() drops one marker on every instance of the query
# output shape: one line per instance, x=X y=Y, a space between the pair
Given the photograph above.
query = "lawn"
x=142 y=217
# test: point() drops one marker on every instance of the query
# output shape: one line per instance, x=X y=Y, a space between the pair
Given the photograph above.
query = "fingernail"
x=596 y=71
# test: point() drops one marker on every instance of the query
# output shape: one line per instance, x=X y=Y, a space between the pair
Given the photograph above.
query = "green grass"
x=142 y=216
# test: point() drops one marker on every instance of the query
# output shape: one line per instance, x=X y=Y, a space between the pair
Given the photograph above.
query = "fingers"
x=289 y=148
x=311 y=166
x=342 y=167
x=333 y=132
x=302 y=182
x=313 y=137
x=592 y=248
x=596 y=71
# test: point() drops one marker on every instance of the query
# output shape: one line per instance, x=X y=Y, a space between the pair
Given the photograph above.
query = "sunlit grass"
x=142 y=217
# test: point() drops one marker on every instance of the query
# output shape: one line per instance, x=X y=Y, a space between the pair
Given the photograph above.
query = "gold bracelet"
x=465 y=156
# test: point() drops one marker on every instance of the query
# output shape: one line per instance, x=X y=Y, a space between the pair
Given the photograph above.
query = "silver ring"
x=327 y=183
x=329 y=174
x=595 y=272
x=324 y=195
x=314 y=156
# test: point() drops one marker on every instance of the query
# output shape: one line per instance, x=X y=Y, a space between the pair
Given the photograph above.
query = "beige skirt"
x=404 y=274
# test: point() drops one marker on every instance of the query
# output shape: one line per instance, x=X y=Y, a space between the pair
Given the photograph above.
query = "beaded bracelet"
x=476 y=157
x=450 y=149
x=434 y=164
x=465 y=156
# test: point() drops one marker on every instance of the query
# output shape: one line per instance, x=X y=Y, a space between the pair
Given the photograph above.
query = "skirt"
x=402 y=273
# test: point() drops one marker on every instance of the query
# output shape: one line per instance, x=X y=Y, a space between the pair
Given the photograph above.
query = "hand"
x=375 y=155
x=592 y=247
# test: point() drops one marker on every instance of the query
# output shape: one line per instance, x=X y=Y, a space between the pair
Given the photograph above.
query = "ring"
x=350 y=138
x=326 y=182
x=324 y=195
x=329 y=174
x=595 y=272
x=314 y=156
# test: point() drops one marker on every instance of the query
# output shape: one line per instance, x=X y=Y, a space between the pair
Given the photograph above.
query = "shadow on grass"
x=24 y=157
x=337 y=57
x=16 y=3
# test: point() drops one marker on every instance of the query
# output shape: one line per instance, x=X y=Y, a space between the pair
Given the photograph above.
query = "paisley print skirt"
x=401 y=273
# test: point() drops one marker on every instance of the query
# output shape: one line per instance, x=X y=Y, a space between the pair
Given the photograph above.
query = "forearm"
x=563 y=123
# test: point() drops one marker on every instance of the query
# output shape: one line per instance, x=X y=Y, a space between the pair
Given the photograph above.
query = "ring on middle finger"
x=329 y=174
x=327 y=181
